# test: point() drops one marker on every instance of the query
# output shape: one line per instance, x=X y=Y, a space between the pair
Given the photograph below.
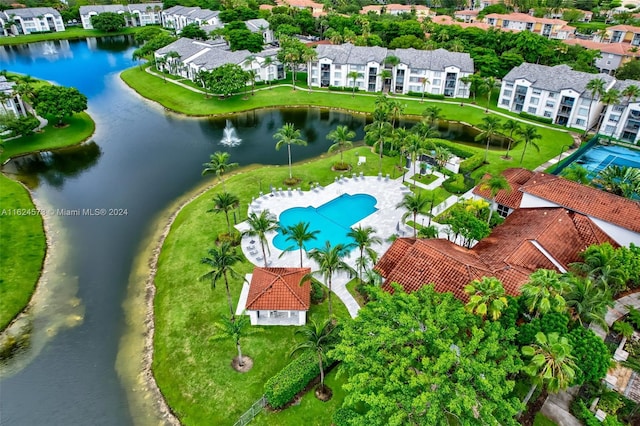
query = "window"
x=532 y=110
x=437 y=73
x=547 y=114
x=585 y=102
x=550 y=104
x=337 y=67
x=614 y=118
x=581 y=121
x=508 y=93
x=336 y=82
x=552 y=95
x=618 y=108
x=509 y=85
x=536 y=91
x=503 y=211
x=505 y=102
x=534 y=101
x=610 y=129
x=414 y=79
x=338 y=75
x=436 y=82
x=583 y=111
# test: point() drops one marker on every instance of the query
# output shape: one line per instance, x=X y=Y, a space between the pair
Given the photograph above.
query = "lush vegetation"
x=71 y=33
x=24 y=245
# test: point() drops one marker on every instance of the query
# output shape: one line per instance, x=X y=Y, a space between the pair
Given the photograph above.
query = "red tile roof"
x=620 y=49
x=513 y=197
x=586 y=200
x=629 y=28
x=279 y=289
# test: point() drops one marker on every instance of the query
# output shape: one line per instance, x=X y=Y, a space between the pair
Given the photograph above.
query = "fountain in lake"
x=229 y=137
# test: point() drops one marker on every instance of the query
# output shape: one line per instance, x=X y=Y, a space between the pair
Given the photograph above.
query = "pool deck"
x=387 y=221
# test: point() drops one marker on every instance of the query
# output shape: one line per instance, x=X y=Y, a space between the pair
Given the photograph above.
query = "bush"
x=634 y=317
x=285 y=385
x=343 y=89
x=344 y=416
x=536 y=118
x=19 y=126
x=317 y=292
x=592 y=355
x=426 y=95
x=582 y=413
x=554 y=322
x=457 y=184
x=453 y=147
x=472 y=163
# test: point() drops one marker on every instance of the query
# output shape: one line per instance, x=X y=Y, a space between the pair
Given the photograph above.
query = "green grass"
x=71 y=33
x=589 y=27
x=424 y=179
x=440 y=194
x=351 y=287
x=80 y=128
x=541 y=420
x=193 y=372
x=22 y=249
x=311 y=411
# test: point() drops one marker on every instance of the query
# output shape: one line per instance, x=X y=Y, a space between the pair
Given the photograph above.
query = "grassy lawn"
x=351 y=287
x=71 y=33
x=541 y=420
x=22 y=249
x=80 y=128
x=311 y=411
x=439 y=194
x=424 y=179
x=193 y=372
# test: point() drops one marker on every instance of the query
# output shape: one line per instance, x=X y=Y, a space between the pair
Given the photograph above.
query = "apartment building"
x=420 y=11
x=31 y=20
x=178 y=17
x=621 y=34
x=10 y=100
x=558 y=93
x=436 y=72
x=612 y=55
x=622 y=120
x=136 y=15
x=550 y=28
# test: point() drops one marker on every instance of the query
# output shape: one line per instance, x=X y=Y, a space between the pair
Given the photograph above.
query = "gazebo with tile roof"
x=275 y=296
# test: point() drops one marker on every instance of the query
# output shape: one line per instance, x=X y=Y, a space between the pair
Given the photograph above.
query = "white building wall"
x=531 y=201
x=624 y=121
x=622 y=236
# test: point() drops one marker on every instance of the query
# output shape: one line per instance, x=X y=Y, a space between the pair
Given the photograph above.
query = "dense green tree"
x=299 y=234
x=260 y=224
x=219 y=164
x=227 y=79
x=194 y=31
x=577 y=173
x=243 y=39
x=468 y=226
x=156 y=42
x=288 y=135
x=616 y=269
x=108 y=22
x=591 y=355
x=420 y=359
x=486 y=298
x=59 y=102
x=620 y=180
x=221 y=260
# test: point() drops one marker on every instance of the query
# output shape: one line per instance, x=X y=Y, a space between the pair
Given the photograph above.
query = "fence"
x=255 y=409
x=574 y=156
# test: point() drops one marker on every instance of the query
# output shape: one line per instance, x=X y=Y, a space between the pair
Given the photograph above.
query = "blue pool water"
x=333 y=219
x=600 y=156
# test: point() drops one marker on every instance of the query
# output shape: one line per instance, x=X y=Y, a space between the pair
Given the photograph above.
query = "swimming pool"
x=333 y=219
x=599 y=157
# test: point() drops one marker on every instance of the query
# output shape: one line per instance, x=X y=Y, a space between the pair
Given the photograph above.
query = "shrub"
x=609 y=402
x=285 y=385
x=426 y=95
x=471 y=163
x=233 y=238
x=19 y=126
x=554 y=322
x=453 y=147
x=343 y=89
x=634 y=317
x=536 y=118
x=344 y=416
x=582 y=413
x=592 y=355
x=456 y=184
x=317 y=292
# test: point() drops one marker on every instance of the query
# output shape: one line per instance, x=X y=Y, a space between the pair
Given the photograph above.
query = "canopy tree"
x=109 y=22
x=60 y=102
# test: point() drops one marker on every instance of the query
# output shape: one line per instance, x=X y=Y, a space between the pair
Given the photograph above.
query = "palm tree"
x=268 y=61
x=414 y=146
x=289 y=135
x=425 y=130
x=393 y=61
x=329 y=261
x=423 y=82
x=414 y=203
x=221 y=260
x=251 y=76
x=577 y=173
x=488 y=83
x=378 y=131
x=341 y=137
x=598 y=265
x=495 y=184
x=300 y=234
x=610 y=97
x=234 y=330
x=631 y=92
x=364 y=239
x=395 y=110
x=384 y=76
x=596 y=88
x=510 y=126
x=619 y=180
x=259 y=226
x=587 y=302
x=353 y=75
x=442 y=155
x=486 y=297
x=489 y=127
x=224 y=202
x=432 y=114
x=529 y=135
x=543 y=292
x=219 y=164
x=319 y=338
x=551 y=363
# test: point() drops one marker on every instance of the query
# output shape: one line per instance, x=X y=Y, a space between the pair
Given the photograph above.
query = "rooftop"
x=279 y=289
x=512 y=198
x=32 y=12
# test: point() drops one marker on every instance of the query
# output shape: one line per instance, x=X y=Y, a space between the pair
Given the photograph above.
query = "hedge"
x=343 y=89
x=454 y=148
x=344 y=416
x=471 y=163
x=285 y=385
x=426 y=95
x=456 y=184
x=528 y=116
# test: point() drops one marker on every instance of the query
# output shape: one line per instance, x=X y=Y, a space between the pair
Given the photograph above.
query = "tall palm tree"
x=551 y=364
x=490 y=126
x=488 y=83
x=384 y=76
x=424 y=81
x=486 y=297
x=363 y=239
x=259 y=226
x=543 y=292
x=329 y=259
x=587 y=301
x=432 y=114
x=442 y=155
x=596 y=88
x=219 y=164
x=414 y=203
x=495 y=184
x=392 y=61
x=631 y=92
x=225 y=202
x=510 y=126
x=610 y=97
x=319 y=338
x=299 y=234
x=379 y=130
x=415 y=147
x=234 y=330
x=529 y=134
x=288 y=135
x=395 y=110
x=425 y=130
x=268 y=61
x=221 y=260
x=341 y=137
x=353 y=75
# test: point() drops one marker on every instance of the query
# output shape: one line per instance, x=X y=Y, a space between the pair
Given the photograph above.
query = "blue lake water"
x=333 y=219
